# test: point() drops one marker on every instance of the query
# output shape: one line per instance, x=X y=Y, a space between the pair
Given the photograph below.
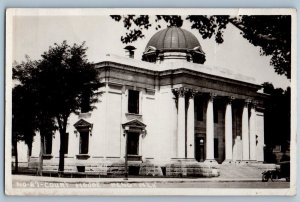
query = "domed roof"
x=173 y=44
x=173 y=38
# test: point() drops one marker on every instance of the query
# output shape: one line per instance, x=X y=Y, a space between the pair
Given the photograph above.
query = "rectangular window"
x=66 y=143
x=48 y=144
x=133 y=101
x=215 y=114
x=85 y=102
x=216 y=148
x=199 y=110
x=84 y=142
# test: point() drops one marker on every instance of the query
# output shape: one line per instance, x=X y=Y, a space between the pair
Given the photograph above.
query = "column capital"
x=212 y=96
x=180 y=92
x=247 y=102
x=254 y=103
x=251 y=103
x=192 y=93
x=230 y=99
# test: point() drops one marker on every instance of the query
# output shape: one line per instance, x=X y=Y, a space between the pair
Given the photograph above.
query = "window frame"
x=85 y=105
x=84 y=133
x=47 y=150
x=130 y=106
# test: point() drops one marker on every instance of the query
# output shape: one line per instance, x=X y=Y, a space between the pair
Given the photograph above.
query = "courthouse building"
x=169 y=112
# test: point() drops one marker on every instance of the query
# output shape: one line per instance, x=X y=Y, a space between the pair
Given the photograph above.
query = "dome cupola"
x=173 y=43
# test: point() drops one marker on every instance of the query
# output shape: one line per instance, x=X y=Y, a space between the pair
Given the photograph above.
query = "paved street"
x=264 y=185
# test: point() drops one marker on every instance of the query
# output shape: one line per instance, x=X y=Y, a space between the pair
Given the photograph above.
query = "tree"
x=23 y=126
x=63 y=78
x=29 y=114
x=277 y=117
x=58 y=82
x=271 y=33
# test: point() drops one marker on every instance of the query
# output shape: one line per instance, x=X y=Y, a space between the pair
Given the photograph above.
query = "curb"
x=130 y=180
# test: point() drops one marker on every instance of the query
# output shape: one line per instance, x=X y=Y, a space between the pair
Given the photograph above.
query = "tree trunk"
x=62 y=130
x=16 y=156
x=61 y=152
x=40 y=166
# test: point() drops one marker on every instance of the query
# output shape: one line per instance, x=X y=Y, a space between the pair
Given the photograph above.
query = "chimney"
x=129 y=51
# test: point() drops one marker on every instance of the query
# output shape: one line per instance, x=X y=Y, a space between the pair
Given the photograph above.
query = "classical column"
x=259 y=120
x=210 y=129
x=126 y=154
x=228 y=130
x=181 y=124
x=252 y=123
x=124 y=109
x=245 y=131
x=191 y=126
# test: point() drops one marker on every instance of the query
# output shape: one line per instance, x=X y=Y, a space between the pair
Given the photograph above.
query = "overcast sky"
x=32 y=35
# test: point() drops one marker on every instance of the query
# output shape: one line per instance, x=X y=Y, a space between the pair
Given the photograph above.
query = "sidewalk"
x=130 y=180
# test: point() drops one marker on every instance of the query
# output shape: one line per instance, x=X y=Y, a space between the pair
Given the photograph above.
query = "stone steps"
x=242 y=171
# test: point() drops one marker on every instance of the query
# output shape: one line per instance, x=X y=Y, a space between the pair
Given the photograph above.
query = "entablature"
x=153 y=79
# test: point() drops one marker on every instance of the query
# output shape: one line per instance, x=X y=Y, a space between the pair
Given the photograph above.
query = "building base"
x=116 y=167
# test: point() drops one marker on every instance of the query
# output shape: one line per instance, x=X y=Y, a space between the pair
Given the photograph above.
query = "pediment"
x=199 y=49
x=134 y=123
x=82 y=124
x=150 y=49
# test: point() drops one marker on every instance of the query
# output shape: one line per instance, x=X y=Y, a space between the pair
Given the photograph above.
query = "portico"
x=186 y=125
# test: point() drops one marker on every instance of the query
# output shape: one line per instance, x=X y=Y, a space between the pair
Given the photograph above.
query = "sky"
x=32 y=35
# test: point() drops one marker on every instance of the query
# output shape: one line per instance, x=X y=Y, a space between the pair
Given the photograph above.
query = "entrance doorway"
x=133 y=143
x=200 y=148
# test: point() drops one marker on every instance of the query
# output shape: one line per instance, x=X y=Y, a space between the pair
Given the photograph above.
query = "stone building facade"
x=169 y=112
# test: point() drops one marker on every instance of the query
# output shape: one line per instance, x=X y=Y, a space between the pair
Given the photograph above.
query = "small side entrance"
x=199 y=148
x=133 y=132
x=133 y=143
